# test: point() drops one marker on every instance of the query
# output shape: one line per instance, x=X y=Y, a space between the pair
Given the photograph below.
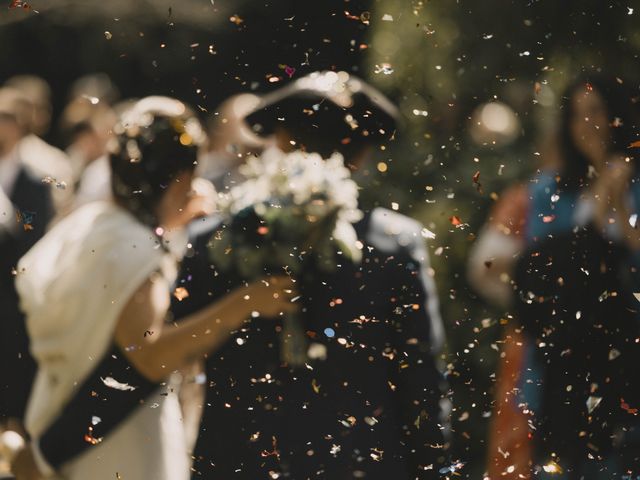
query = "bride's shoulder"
x=103 y=226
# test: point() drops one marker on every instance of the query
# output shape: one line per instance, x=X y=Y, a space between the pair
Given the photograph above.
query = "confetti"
x=428 y=234
x=90 y=439
x=181 y=293
x=116 y=385
x=455 y=221
x=453 y=468
x=476 y=181
x=274 y=452
x=537 y=88
x=315 y=386
x=592 y=403
x=26 y=218
x=384 y=68
x=625 y=406
x=552 y=467
x=21 y=4
x=236 y=19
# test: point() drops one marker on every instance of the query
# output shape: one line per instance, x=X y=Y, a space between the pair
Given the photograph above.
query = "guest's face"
x=10 y=134
x=590 y=126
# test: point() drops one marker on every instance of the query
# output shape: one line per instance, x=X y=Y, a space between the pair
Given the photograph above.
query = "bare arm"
x=156 y=349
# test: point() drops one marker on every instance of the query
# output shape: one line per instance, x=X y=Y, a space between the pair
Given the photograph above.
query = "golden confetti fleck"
x=552 y=467
x=181 y=293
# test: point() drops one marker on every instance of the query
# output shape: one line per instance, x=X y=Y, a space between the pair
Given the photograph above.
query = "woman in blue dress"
x=575 y=283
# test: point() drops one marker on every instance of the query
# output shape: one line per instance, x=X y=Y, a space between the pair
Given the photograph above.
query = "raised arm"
x=156 y=349
x=146 y=351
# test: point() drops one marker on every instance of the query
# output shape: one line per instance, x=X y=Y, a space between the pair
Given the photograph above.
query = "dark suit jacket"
x=17 y=367
x=370 y=410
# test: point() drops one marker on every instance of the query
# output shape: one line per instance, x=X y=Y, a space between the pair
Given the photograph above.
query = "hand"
x=197 y=199
x=614 y=179
x=620 y=173
x=271 y=296
x=24 y=466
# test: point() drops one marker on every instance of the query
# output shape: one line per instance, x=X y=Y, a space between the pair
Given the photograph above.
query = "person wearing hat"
x=372 y=412
x=25 y=211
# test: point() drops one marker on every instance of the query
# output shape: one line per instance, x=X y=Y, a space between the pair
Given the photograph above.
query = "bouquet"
x=291 y=207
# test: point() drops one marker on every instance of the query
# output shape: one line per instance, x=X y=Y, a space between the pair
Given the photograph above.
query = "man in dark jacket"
x=366 y=404
x=25 y=211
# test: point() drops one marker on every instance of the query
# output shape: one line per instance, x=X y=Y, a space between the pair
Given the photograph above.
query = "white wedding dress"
x=73 y=285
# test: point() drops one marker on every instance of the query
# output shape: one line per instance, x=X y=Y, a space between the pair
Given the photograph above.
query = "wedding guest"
x=25 y=211
x=575 y=286
x=44 y=160
x=88 y=125
x=95 y=291
x=491 y=267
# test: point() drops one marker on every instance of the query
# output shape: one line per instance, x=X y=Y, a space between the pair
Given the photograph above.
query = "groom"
x=367 y=402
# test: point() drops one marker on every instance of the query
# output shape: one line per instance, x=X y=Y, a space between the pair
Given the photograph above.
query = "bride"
x=96 y=288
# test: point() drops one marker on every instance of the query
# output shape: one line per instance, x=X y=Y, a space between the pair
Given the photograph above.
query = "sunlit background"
x=478 y=83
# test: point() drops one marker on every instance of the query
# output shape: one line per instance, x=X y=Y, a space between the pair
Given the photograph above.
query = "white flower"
x=304 y=196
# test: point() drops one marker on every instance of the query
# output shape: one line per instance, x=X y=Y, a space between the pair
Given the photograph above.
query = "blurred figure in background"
x=490 y=270
x=87 y=119
x=575 y=285
x=493 y=255
x=25 y=211
x=88 y=124
x=45 y=161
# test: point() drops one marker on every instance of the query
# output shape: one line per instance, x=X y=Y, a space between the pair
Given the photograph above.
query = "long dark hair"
x=621 y=109
x=156 y=140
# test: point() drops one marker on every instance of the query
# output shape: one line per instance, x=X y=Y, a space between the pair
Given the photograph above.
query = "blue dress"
x=553 y=212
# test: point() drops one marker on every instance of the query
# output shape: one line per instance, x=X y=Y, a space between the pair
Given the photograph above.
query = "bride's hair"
x=156 y=140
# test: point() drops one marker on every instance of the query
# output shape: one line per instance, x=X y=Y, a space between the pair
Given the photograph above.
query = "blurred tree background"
x=478 y=83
